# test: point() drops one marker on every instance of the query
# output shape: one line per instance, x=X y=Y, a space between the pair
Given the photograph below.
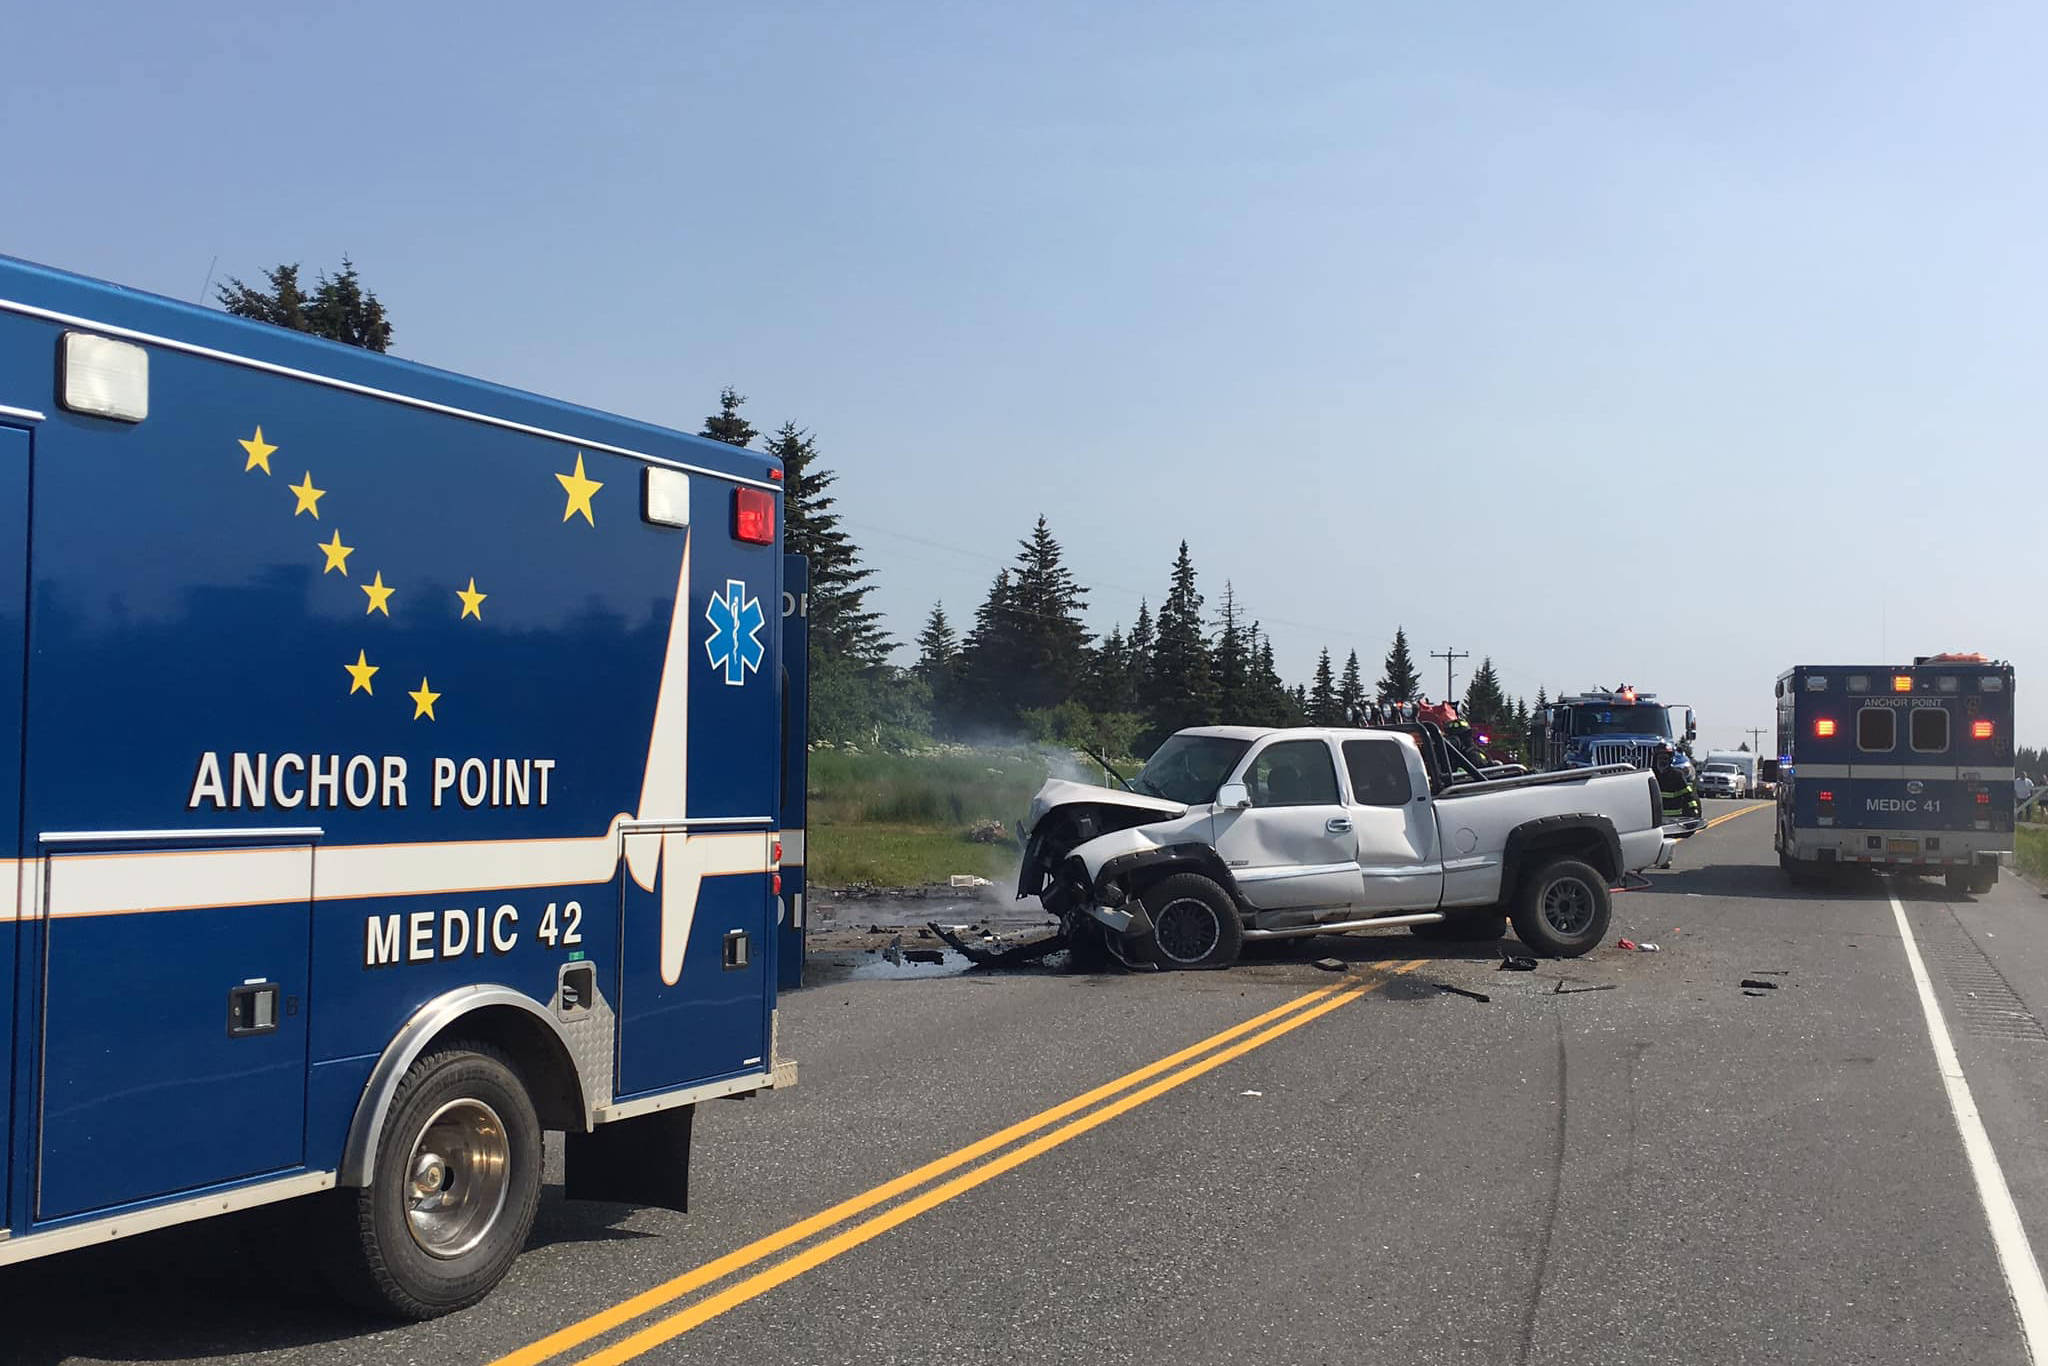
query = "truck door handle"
x=1338 y=825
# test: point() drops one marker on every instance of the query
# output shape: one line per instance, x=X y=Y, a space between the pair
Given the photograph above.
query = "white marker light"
x=105 y=378
x=666 y=497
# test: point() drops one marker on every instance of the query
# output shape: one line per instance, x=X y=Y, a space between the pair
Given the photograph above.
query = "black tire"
x=1562 y=909
x=1464 y=928
x=1982 y=880
x=401 y=1255
x=1195 y=924
x=1798 y=871
x=1958 y=880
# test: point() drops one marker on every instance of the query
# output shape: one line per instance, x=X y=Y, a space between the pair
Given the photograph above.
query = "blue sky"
x=1670 y=344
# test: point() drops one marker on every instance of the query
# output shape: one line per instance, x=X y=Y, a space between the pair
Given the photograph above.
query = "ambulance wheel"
x=1194 y=923
x=1562 y=909
x=456 y=1185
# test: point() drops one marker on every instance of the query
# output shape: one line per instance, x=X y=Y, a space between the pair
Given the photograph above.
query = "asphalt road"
x=1670 y=1170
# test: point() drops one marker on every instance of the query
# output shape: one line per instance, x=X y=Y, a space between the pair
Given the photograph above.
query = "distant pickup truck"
x=1233 y=833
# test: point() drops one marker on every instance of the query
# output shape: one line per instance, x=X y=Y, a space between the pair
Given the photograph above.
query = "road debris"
x=1516 y=963
x=924 y=955
x=968 y=881
x=1330 y=964
x=1647 y=947
x=1758 y=984
x=1562 y=990
x=1251 y=1093
x=1752 y=993
x=1460 y=991
x=1628 y=944
x=983 y=956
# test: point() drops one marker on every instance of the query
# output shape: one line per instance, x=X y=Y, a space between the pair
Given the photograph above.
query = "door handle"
x=1338 y=825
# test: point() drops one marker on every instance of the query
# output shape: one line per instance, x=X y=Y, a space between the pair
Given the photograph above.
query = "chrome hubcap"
x=461 y=1169
x=1568 y=906
x=1186 y=930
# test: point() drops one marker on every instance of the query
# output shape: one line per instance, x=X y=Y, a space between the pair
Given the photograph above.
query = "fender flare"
x=430 y=1021
x=1168 y=859
x=1533 y=837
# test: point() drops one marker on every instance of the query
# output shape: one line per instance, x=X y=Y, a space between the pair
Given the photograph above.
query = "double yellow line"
x=1123 y=1095
x=1723 y=820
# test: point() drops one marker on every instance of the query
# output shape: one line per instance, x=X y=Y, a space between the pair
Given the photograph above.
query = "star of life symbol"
x=735 y=642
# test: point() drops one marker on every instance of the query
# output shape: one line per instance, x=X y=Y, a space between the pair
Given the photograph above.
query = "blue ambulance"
x=1905 y=768
x=392 y=767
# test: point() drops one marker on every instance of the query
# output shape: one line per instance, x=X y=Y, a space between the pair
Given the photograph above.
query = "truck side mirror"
x=1233 y=797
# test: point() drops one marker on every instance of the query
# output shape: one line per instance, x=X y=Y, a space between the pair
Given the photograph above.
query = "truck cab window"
x=1379 y=772
x=1929 y=730
x=1293 y=773
x=1877 y=730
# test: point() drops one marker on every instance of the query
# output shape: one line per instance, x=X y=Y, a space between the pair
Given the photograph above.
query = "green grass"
x=901 y=820
x=900 y=856
x=2030 y=850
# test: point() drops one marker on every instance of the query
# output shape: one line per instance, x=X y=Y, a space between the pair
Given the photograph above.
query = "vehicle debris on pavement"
x=1330 y=964
x=1758 y=984
x=1516 y=963
x=1461 y=991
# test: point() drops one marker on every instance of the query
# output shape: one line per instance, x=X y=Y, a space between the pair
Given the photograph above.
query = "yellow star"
x=337 y=554
x=259 y=452
x=308 y=496
x=423 y=701
x=379 y=595
x=359 y=675
x=580 y=490
x=472 y=601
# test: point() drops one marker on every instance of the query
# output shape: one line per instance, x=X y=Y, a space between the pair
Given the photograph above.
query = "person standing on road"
x=2022 y=792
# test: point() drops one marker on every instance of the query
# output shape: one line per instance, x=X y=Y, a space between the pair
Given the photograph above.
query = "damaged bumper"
x=1665 y=852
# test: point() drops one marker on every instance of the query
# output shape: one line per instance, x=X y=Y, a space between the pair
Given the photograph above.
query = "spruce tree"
x=1049 y=643
x=1351 y=693
x=1108 y=687
x=987 y=658
x=842 y=627
x=1399 y=681
x=1181 y=688
x=1275 y=707
x=726 y=424
x=339 y=308
x=1322 y=696
x=1236 y=698
x=938 y=664
x=1139 y=653
x=1486 y=706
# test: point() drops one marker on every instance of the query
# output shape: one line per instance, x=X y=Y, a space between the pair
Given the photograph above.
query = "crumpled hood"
x=1059 y=792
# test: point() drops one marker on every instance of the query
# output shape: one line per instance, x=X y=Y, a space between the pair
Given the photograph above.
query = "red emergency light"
x=1980 y=730
x=753 y=516
x=1824 y=728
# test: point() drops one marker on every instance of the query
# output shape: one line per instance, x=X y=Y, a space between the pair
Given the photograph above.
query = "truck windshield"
x=1643 y=720
x=1718 y=768
x=1189 y=768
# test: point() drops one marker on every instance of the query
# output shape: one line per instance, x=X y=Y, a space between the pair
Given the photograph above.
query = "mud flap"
x=639 y=1161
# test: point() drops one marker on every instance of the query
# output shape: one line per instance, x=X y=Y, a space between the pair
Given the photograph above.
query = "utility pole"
x=1756 y=739
x=1450 y=679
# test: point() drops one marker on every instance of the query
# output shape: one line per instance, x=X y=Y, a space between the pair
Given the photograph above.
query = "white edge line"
x=2015 y=1254
x=390 y=396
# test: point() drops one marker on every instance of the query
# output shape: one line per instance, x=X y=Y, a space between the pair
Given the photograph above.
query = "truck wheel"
x=456 y=1186
x=1465 y=928
x=1983 y=880
x=1561 y=910
x=1194 y=923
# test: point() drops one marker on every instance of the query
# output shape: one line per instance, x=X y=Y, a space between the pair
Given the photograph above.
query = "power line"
x=1450 y=678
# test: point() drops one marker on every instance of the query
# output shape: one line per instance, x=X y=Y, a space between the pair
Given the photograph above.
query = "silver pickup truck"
x=1234 y=833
